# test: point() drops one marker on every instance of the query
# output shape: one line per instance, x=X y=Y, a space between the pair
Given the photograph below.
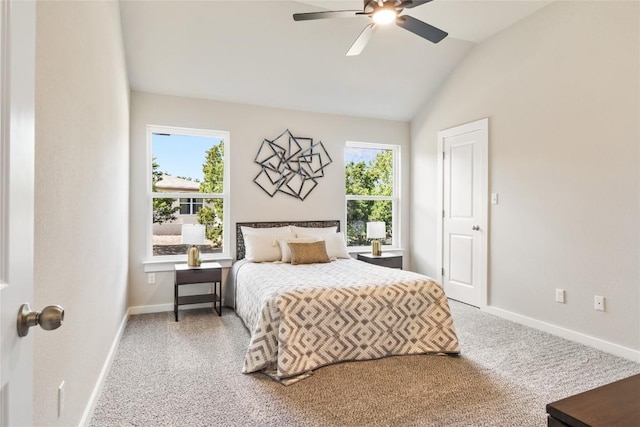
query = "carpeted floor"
x=188 y=374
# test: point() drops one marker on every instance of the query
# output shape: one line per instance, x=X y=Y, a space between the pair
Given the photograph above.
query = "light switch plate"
x=60 y=399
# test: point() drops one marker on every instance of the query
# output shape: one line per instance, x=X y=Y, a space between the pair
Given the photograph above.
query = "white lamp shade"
x=193 y=234
x=376 y=230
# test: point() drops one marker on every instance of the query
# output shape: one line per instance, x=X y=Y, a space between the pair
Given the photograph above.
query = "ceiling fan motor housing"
x=371 y=6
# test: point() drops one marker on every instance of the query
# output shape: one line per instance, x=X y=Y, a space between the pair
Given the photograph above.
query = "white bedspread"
x=302 y=317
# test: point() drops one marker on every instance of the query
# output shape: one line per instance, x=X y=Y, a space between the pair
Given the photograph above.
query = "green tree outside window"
x=211 y=214
x=372 y=178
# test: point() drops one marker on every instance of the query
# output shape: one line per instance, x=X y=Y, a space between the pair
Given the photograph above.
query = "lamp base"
x=192 y=256
x=376 y=248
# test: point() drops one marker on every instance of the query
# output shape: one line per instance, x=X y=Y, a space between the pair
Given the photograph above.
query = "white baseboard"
x=95 y=395
x=159 y=308
x=618 y=350
x=144 y=309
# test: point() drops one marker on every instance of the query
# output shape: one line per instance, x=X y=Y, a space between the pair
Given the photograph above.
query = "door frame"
x=17 y=146
x=481 y=125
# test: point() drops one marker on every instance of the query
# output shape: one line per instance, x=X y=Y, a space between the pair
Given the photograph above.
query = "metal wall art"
x=290 y=165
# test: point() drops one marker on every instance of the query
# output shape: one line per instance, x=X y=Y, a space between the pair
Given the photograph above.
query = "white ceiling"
x=252 y=52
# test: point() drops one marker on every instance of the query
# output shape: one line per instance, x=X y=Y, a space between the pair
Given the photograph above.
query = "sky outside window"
x=357 y=154
x=182 y=155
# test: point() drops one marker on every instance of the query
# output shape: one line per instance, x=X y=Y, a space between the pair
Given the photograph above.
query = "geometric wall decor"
x=291 y=165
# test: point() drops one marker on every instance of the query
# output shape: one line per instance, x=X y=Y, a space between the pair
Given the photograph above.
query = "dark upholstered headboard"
x=240 y=238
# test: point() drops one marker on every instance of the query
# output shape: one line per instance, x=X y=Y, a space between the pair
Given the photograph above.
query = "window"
x=190 y=206
x=371 y=191
x=188 y=184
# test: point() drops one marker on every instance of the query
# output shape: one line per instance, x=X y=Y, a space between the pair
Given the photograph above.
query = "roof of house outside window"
x=170 y=183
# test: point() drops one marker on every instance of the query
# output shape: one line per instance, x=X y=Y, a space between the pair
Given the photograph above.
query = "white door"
x=17 y=59
x=464 y=192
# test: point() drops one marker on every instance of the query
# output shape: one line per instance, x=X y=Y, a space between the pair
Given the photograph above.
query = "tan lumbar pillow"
x=309 y=253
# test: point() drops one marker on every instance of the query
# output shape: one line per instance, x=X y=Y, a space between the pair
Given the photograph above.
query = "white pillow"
x=313 y=231
x=336 y=247
x=284 y=246
x=263 y=247
x=276 y=231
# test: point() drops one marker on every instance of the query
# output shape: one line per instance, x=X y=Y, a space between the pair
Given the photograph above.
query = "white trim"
x=161 y=308
x=367 y=249
x=97 y=390
x=182 y=195
x=354 y=197
x=4 y=136
x=145 y=309
x=226 y=189
x=616 y=349
x=395 y=198
x=481 y=125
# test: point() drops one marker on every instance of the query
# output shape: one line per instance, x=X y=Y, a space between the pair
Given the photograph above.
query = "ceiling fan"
x=382 y=12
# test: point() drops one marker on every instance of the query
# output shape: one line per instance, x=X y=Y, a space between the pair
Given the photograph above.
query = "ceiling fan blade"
x=362 y=40
x=420 y=28
x=324 y=15
x=413 y=3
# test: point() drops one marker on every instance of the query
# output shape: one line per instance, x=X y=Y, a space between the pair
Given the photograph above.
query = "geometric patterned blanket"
x=302 y=317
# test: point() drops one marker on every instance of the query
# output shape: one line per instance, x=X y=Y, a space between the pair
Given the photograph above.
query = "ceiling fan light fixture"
x=381 y=12
x=384 y=15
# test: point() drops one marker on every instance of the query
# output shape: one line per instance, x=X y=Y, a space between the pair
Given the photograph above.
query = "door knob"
x=49 y=318
x=476 y=227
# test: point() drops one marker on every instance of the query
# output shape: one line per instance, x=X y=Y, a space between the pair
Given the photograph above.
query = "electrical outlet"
x=151 y=278
x=60 y=399
x=599 y=303
x=560 y=295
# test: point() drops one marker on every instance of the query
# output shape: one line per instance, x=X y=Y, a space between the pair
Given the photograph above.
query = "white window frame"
x=225 y=195
x=394 y=198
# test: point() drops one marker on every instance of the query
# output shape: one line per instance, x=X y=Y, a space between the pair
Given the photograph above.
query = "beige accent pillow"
x=263 y=247
x=309 y=253
x=313 y=231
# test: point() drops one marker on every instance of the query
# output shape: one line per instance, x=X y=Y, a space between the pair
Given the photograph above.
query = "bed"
x=302 y=317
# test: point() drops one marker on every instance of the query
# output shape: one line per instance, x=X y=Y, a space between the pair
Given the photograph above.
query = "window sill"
x=168 y=263
x=367 y=249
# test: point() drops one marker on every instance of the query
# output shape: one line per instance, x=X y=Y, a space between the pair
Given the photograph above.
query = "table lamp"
x=193 y=234
x=376 y=230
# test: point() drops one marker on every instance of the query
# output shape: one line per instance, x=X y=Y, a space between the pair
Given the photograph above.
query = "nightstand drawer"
x=195 y=275
x=384 y=260
x=395 y=262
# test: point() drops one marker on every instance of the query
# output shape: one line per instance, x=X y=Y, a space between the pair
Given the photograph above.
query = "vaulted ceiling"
x=252 y=52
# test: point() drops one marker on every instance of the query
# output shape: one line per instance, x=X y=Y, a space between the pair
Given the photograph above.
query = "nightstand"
x=609 y=405
x=384 y=260
x=209 y=272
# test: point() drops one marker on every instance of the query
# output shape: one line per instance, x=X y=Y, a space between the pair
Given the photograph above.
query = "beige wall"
x=81 y=200
x=248 y=126
x=561 y=90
